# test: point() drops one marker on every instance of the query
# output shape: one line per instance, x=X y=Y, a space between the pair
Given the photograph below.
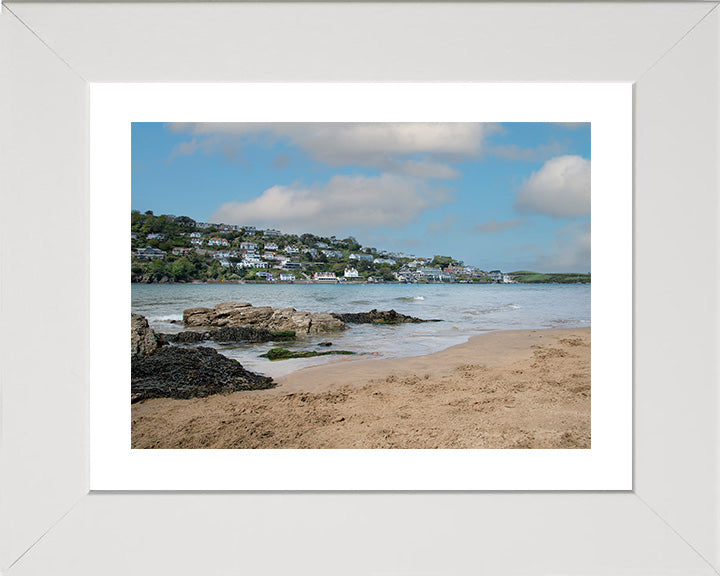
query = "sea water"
x=465 y=310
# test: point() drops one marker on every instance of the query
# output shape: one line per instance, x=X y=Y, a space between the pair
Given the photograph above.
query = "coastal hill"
x=170 y=248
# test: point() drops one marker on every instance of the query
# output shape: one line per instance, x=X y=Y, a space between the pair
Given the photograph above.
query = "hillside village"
x=171 y=248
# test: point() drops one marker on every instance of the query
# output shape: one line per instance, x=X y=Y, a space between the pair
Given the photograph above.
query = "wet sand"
x=510 y=389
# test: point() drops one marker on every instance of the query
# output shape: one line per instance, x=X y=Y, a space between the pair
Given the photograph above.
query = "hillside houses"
x=150 y=253
x=290 y=265
x=217 y=251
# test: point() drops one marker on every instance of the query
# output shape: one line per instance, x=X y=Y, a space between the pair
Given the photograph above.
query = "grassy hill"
x=528 y=277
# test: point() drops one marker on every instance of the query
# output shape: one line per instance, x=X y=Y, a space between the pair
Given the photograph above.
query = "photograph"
x=360 y=285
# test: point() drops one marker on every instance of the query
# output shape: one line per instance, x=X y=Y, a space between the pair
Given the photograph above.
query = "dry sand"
x=512 y=389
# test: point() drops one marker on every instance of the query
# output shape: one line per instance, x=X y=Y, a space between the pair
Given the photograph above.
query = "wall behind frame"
x=43 y=288
x=677 y=437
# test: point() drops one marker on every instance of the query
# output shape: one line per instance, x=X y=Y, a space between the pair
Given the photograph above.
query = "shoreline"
x=360 y=283
x=495 y=346
x=503 y=389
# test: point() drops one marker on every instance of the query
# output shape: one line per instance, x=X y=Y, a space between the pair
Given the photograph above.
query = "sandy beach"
x=509 y=389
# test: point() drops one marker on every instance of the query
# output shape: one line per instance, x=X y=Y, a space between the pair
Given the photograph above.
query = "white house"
x=351 y=273
x=254 y=264
x=384 y=261
x=196 y=235
x=366 y=257
x=435 y=275
x=196 y=241
x=218 y=242
x=292 y=250
x=287 y=277
x=325 y=277
x=271 y=232
x=156 y=236
x=248 y=246
x=271 y=246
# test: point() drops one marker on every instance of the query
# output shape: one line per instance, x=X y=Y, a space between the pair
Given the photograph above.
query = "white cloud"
x=344 y=203
x=570 y=251
x=494 y=226
x=385 y=146
x=561 y=188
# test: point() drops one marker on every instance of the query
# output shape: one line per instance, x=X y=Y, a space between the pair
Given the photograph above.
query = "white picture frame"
x=49 y=523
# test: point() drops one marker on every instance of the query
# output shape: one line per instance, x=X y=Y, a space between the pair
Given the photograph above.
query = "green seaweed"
x=284 y=335
x=285 y=354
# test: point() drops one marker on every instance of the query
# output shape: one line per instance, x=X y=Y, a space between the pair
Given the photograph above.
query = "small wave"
x=359 y=302
x=505 y=308
x=410 y=298
x=175 y=318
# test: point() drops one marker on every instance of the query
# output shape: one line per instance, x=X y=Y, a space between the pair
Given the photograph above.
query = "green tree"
x=182 y=269
x=441 y=261
x=157 y=269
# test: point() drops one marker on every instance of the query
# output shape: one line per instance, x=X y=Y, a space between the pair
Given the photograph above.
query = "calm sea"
x=465 y=310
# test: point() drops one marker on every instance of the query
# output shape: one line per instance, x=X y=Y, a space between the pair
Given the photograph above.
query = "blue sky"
x=510 y=196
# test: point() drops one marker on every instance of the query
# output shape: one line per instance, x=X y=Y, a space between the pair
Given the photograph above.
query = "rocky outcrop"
x=229 y=334
x=179 y=372
x=379 y=317
x=237 y=314
x=143 y=341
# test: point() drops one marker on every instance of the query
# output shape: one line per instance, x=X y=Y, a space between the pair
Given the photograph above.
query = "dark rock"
x=230 y=334
x=379 y=317
x=187 y=337
x=177 y=372
x=249 y=334
x=324 y=343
